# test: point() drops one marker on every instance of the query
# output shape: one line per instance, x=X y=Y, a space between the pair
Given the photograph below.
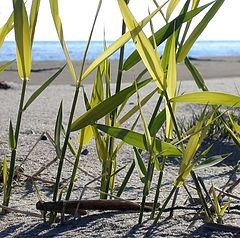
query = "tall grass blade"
x=59 y=29
x=33 y=18
x=171 y=85
x=141 y=168
x=6 y=28
x=116 y=45
x=57 y=131
x=12 y=139
x=105 y=107
x=214 y=160
x=5 y=175
x=6 y=65
x=211 y=98
x=172 y=5
x=158 y=122
x=162 y=34
x=42 y=88
x=143 y=45
x=22 y=39
x=139 y=140
x=199 y=29
x=196 y=75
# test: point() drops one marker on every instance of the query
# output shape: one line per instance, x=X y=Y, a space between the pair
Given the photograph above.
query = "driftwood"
x=71 y=207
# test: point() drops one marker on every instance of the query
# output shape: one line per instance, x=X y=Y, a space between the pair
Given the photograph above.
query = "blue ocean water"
x=51 y=50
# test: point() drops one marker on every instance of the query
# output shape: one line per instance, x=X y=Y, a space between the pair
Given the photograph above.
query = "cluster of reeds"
x=109 y=105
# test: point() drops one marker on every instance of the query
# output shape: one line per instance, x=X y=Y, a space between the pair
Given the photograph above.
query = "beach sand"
x=218 y=67
x=223 y=74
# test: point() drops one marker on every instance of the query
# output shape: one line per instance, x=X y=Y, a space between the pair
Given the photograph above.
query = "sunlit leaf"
x=143 y=45
x=116 y=45
x=6 y=28
x=5 y=175
x=57 y=131
x=139 y=140
x=199 y=29
x=33 y=18
x=211 y=98
x=235 y=125
x=58 y=26
x=211 y=161
x=42 y=88
x=172 y=5
x=105 y=107
x=22 y=39
x=171 y=85
x=88 y=134
x=5 y=66
x=12 y=139
x=162 y=34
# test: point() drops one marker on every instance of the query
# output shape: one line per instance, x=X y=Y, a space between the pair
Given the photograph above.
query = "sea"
x=52 y=51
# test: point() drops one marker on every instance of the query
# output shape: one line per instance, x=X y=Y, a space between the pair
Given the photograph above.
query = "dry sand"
x=41 y=116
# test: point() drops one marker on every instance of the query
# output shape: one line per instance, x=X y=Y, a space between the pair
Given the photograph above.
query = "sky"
x=77 y=17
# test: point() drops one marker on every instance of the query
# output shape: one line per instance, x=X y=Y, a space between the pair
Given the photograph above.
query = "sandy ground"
x=41 y=116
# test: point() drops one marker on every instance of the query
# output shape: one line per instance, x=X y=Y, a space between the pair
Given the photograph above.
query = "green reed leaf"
x=158 y=122
x=116 y=45
x=199 y=29
x=6 y=28
x=11 y=137
x=5 y=175
x=141 y=168
x=172 y=5
x=211 y=161
x=5 y=66
x=105 y=107
x=42 y=88
x=139 y=140
x=22 y=39
x=59 y=29
x=144 y=47
x=33 y=18
x=162 y=34
x=196 y=75
x=211 y=98
x=57 y=131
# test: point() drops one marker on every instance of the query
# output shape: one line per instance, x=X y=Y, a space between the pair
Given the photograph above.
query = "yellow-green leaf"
x=195 y=4
x=116 y=45
x=211 y=98
x=235 y=125
x=22 y=38
x=5 y=29
x=58 y=26
x=172 y=5
x=5 y=175
x=171 y=85
x=87 y=135
x=33 y=18
x=199 y=29
x=4 y=66
x=143 y=46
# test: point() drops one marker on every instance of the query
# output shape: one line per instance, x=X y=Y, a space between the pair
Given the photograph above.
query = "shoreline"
x=212 y=67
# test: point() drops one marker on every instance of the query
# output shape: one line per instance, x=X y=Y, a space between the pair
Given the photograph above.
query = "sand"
x=41 y=116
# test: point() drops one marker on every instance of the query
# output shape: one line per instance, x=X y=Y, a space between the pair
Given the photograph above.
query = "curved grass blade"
x=33 y=18
x=198 y=30
x=58 y=26
x=57 y=131
x=116 y=46
x=105 y=107
x=42 y=88
x=196 y=75
x=4 y=66
x=172 y=5
x=139 y=140
x=12 y=139
x=141 y=168
x=145 y=49
x=157 y=123
x=211 y=98
x=6 y=28
x=162 y=34
x=135 y=109
x=22 y=39
x=213 y=160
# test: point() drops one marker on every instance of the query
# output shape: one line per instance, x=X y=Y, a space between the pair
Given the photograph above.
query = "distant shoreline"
x=212 y=67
